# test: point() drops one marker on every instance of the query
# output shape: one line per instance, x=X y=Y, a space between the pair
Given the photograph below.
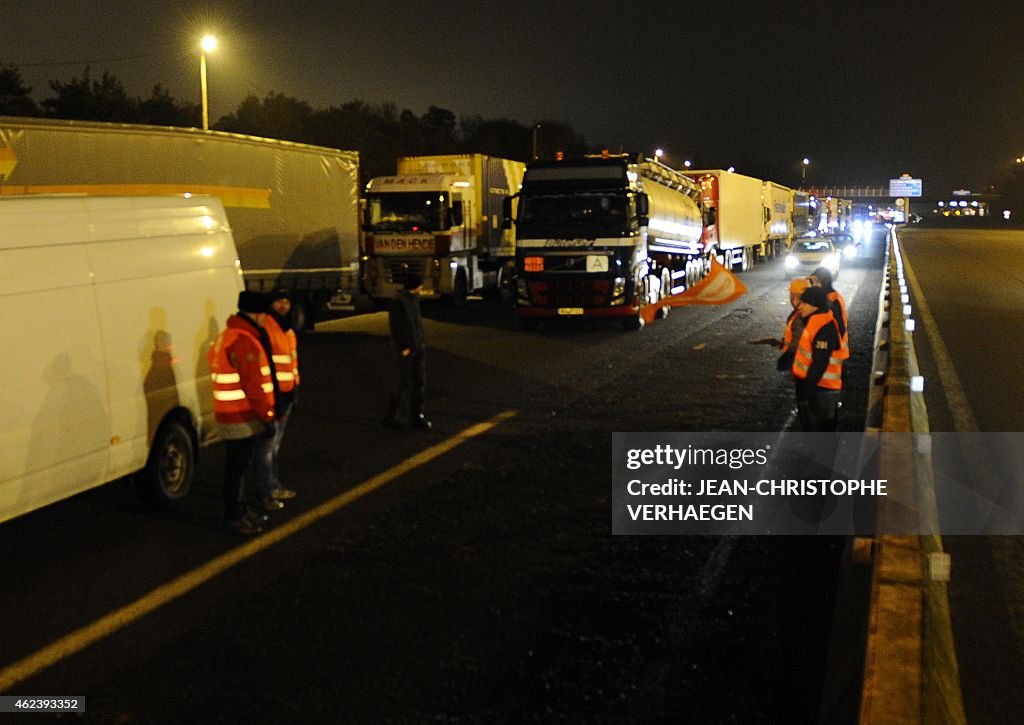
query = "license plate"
x=570 y=310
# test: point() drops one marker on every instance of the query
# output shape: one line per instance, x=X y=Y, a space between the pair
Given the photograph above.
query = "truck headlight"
x=522 y=291
x=619 y=291
x=792 y=262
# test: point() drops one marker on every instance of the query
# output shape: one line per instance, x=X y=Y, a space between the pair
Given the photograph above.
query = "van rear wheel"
x=171 y=467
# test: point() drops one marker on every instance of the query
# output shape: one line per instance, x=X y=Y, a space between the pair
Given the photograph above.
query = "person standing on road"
x=794 y=324
x=243 y=403
x=269 y=492
x=817 y=367
x=409 y=343
x=821 y=277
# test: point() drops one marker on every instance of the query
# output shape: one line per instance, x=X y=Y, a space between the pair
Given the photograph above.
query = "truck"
x=293 y=208
x=745 y=219
x=840 y=213
x=604 y=235
x=777 y=204
x=804 y=213
x=440 y=217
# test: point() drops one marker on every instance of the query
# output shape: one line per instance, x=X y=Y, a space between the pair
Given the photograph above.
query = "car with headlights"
x=807 y=254
x=846 y=244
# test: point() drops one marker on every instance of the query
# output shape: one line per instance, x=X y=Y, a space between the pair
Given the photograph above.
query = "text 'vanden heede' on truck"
x=440 y=217
x=293 y=208
x=604 y=235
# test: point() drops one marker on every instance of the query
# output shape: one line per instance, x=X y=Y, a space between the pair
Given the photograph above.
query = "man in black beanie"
x=243 y=402
x=408 y=340
x=818 y=366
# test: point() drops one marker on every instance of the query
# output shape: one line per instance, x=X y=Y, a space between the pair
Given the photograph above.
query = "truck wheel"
x=633 y=323
x=302 y=314
x=171 y=467
x=693 y=273
x=747 y=259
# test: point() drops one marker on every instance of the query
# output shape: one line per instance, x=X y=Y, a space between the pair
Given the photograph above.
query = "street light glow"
x=208 y=44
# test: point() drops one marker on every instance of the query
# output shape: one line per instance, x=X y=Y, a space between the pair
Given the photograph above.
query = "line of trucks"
x=123 y=248
x=468 y=224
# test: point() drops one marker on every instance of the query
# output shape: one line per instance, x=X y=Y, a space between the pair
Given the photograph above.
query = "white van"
x=107 y=308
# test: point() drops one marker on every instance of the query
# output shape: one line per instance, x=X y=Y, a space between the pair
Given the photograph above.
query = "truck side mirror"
x=643 y=209
x=506 y=212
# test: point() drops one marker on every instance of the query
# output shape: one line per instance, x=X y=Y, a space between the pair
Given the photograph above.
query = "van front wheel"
x=171 y=467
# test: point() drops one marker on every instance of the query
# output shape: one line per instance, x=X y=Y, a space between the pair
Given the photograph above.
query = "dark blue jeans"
x=237 y=456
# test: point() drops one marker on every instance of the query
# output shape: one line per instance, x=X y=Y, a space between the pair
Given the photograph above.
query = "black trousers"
x=412 y=383
x=236 y=461
x=819 y=412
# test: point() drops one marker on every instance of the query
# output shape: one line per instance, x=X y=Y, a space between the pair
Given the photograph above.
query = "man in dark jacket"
x=409 y=344
x=817 y=366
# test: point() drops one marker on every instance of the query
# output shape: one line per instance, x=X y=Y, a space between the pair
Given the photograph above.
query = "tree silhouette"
x=160 y=109
x=276 y=116
x=497 y=137
x=15 y=96
x=380 y=133
x=91 y=100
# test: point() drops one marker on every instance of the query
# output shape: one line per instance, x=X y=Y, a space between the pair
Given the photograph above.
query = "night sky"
x=936 y=91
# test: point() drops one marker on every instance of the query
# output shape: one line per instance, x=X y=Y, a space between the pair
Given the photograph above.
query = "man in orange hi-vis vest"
x=818 y=366
x=243 y=402
x=268 y=491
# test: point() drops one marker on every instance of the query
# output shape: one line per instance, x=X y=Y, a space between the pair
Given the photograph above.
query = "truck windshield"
x=579 y=214
x=407 y=212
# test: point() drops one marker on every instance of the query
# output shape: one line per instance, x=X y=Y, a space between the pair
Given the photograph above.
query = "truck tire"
x=666 y=292
x=171 y=467
x=633 y=322
x=302 y=314
x=747 y=259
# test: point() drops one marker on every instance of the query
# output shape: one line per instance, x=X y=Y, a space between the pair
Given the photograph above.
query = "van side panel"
x=118 y=300
x=55 y=430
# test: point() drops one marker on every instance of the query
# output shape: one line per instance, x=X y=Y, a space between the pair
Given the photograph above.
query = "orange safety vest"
x=787 y=336
x=243 y=391
x=844 y=338
x=286 y=355
x=832 y=379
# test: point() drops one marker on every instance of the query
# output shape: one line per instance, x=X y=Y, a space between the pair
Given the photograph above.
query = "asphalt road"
x=481 y=584
x=967 y=287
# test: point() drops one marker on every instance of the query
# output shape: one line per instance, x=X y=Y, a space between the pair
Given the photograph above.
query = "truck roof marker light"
x=559 y=156
x=461 y=184
x=604 y=153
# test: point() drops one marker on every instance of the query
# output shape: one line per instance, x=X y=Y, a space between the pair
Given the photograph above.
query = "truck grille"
x=397 y=268
x=571 y=292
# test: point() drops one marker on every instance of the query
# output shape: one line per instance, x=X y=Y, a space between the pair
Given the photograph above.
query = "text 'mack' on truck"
x=293 y=208
x=604 y=235
x=745 y=219
x=440 y=217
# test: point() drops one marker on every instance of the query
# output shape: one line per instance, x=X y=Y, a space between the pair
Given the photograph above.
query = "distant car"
x=846 y=244
x=806 y=255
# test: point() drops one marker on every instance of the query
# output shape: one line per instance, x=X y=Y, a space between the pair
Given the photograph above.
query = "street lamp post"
x=803 y=170
x=208 y=44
